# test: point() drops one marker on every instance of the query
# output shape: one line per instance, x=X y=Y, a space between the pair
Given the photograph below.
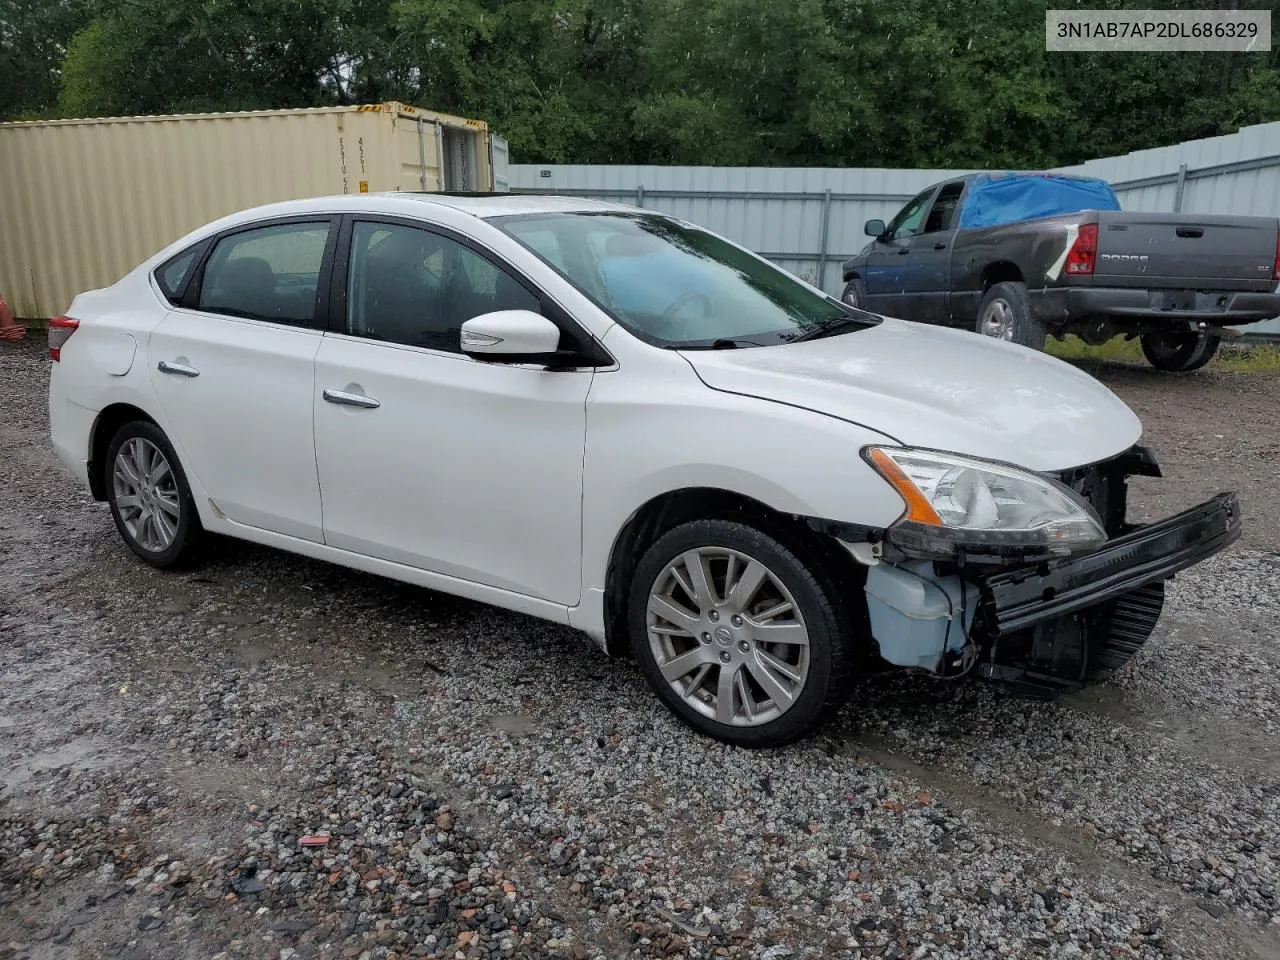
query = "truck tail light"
x=1275 y=270
x=60 y=331
x=1083 y=253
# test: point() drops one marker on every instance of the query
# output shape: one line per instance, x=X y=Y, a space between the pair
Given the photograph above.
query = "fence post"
x=822 y=244
x=1182 y=183
x=640 y=195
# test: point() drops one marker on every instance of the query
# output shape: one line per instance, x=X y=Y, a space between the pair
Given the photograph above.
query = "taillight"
x=1275 y=270
x=60 y=331
x=1084 y=251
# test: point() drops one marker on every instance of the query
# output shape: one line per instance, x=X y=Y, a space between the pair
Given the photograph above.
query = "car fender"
x=792 y=460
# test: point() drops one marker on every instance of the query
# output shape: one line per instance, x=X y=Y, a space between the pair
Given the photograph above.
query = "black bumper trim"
x=1022 y=598
x=1067 y=303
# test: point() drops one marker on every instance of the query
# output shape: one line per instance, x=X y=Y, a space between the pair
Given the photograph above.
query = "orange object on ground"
x=9 y=329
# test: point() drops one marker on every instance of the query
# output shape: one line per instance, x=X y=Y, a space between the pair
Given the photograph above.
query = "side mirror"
x=511 y=336
x=873 y=228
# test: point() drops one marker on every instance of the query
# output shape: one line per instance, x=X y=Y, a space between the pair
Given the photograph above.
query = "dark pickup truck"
x=1023 y=256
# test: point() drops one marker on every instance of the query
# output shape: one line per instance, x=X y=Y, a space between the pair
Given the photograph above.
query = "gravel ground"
x=493 y=786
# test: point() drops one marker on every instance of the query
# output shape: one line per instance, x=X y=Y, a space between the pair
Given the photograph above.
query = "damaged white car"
x=621 y=422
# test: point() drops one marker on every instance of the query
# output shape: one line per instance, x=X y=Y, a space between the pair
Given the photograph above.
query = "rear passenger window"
x=172 y=275
x=270 y=273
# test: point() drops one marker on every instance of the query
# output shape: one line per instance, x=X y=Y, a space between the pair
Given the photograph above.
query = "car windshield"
x=675 y=285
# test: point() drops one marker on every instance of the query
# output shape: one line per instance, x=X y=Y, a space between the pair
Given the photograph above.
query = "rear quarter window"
x=172 y=275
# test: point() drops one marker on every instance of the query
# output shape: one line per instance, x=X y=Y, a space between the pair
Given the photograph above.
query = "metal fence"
x=808 y=220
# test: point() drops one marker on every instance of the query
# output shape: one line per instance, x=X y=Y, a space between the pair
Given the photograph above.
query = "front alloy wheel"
x=739 y=636
x=727 y=636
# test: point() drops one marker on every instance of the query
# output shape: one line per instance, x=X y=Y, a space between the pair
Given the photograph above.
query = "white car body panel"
x=944 y=389
x=244 y=424
x=510 y=484
x=470 y=469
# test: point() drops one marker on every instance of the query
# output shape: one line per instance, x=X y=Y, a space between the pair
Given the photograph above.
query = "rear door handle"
x=939 y=245
x=350 y=399
x=903 y=251
x=178 y=369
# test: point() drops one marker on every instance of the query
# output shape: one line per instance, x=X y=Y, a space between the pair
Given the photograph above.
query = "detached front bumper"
x=1052 y=626
x=1018 y=599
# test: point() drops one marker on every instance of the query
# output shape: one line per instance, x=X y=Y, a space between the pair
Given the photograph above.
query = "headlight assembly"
x=957 y=503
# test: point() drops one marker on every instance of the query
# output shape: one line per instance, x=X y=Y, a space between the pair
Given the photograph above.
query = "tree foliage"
x=908 y=83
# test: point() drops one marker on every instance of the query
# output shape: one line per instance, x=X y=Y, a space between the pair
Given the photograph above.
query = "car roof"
x=398 y=203
x=485 y=205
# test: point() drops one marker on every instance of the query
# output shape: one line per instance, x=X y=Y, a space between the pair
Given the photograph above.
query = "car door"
x=928 y=275
x=888 y=265
x=427 y=457
x=233 y=371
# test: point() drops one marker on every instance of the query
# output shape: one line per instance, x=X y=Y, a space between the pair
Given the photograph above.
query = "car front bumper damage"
x=1056 y=624
x=1046 y=625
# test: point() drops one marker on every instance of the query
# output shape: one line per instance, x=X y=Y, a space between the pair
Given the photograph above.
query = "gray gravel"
x=492 y=786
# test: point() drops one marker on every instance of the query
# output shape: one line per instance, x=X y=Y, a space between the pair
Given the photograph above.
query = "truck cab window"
x=907 y=222
x=943 y=211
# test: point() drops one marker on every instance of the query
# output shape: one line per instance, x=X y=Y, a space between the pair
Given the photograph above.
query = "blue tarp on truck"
x=995 y=199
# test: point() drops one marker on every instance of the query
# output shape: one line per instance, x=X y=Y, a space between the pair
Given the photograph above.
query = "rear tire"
x=150 y=500
x=1005 y=314
x=755 y=649
x=855 y=294
x=1179 y=352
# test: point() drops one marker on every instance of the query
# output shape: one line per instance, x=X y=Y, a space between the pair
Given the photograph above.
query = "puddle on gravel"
x=78 y=755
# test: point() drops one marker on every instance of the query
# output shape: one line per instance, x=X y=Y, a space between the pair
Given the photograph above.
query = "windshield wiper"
x=723 y=343
x=831 y=326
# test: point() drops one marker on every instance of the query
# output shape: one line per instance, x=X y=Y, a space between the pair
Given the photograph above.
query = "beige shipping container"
x=82 y=202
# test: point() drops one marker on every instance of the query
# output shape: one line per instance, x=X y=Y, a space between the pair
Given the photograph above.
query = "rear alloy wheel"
x=150 y=500
x=1005 y=314
x=1180 y=351
x=736 y=635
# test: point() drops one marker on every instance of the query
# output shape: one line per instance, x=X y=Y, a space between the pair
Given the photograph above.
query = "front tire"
x=1005 y=314
x=737 y=635
x=150 y=500
x=1179 y=352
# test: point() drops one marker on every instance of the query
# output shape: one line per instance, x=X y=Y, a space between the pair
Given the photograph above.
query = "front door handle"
x=939 y=245
x=350 y=399
x=178 y=369
x=903 y=251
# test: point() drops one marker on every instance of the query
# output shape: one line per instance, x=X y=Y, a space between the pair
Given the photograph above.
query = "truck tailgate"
x=1186 y=251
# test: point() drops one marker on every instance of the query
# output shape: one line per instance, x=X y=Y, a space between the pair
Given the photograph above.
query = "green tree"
x=33 y=43
x=909 y=83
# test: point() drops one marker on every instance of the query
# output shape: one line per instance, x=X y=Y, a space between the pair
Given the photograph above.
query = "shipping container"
x=84 y=201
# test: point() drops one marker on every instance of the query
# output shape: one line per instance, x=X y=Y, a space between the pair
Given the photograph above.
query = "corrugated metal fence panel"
x=1156 y=197
x=1234 y=174
x=1248 y=192
x=776 y=211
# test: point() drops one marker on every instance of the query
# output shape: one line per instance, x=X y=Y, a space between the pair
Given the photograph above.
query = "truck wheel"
x=855 y=294
x=1179 y=352
x=1005 y=313
x=741 y=638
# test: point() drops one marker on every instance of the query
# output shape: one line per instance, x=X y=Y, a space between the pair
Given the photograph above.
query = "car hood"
x=927 y=386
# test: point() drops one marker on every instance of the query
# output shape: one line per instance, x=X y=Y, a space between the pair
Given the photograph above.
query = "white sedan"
x=618 y=421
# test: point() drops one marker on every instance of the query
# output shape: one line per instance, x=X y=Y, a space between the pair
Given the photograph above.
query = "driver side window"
x=412 y=286
x=910 y=218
